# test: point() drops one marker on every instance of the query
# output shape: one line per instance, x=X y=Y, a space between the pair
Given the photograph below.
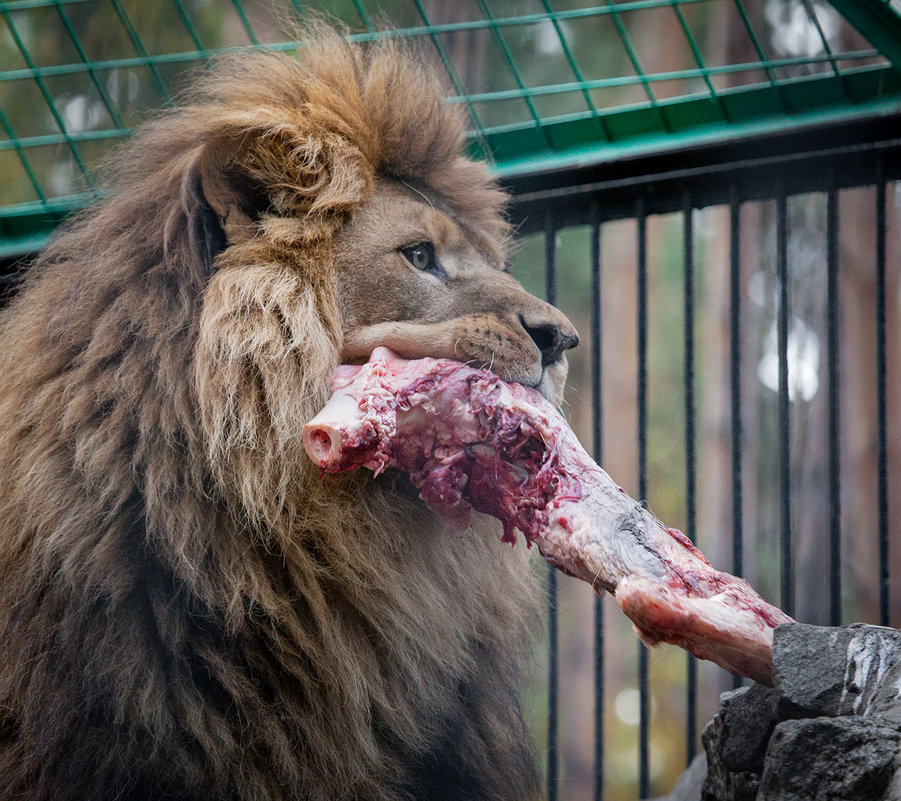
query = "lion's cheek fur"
x=381 y=612
x=267 y=343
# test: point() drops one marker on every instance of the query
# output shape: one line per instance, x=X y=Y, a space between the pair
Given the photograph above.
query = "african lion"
x=188 y=610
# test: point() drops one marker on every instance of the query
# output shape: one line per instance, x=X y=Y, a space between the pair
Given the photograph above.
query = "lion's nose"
x=552 y=339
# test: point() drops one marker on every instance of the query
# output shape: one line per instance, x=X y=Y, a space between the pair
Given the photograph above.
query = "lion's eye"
x=421 y=255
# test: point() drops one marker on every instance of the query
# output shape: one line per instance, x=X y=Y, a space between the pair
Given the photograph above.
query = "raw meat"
x=469 y=440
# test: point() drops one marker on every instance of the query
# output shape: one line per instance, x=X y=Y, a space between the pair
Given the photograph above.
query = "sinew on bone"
x=467 y=440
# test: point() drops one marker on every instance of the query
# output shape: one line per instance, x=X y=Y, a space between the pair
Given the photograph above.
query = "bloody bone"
x=469 y=440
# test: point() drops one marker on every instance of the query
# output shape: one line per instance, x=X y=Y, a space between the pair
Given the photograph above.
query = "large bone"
x=469 y=440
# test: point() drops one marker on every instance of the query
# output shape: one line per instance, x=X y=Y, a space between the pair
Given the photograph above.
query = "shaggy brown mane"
x=186 y=609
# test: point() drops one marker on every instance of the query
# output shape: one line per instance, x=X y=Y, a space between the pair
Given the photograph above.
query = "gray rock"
x=829 y=759
x=829 y=730
x=749 y=716
x=822 y=670
x=722 y=783
x=894 y=789
x=872 y=653
x=885 y=700
x=809 y=668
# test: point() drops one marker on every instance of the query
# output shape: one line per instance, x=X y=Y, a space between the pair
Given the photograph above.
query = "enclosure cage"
x=706 y=187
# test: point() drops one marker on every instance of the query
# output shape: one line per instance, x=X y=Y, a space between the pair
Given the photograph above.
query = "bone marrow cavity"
x=323 y=444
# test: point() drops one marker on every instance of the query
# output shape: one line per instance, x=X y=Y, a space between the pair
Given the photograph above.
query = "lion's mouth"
x=521 y=361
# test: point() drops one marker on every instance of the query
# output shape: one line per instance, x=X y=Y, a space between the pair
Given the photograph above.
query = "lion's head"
x=426 y=281
x=408 y=233
x=185 y=604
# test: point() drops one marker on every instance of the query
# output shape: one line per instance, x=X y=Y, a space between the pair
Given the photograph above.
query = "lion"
x=188 y=610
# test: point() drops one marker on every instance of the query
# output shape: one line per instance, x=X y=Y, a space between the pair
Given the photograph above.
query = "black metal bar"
x=834 y=410
x=783 y=318
x=688 y=377
x=550 y=275
x=881 y=405
x=598 y=420
x=642 y=285
x=735 y=287
x=642 y=343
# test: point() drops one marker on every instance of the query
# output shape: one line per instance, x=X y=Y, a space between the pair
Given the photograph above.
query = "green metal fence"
x=546 y=83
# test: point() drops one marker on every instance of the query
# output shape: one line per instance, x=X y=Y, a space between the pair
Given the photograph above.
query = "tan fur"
x=187 y=609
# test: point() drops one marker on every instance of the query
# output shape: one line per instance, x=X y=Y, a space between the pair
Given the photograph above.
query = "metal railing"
x=827 y=169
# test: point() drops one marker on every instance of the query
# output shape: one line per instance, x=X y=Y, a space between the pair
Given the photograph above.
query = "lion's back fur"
x=187 y=610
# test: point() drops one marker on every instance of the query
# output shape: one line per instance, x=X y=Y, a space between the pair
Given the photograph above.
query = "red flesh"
x=469 y=440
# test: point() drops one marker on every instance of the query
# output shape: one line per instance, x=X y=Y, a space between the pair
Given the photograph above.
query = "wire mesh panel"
x=544 y=82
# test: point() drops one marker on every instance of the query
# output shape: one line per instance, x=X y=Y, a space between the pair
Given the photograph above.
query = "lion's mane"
x=187 y=609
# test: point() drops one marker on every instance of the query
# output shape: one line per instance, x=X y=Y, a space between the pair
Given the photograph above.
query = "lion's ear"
x=240 y=175
x=226 y=197
x=220 y=212
x=222 y=202
x=205 y=232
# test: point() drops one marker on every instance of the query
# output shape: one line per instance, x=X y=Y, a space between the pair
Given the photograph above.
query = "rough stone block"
x=809 y=668
x=723 y=783
x=886 y=701
x=822 y=670
x=829 y=759
x=749 y=716
x=829 y=730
